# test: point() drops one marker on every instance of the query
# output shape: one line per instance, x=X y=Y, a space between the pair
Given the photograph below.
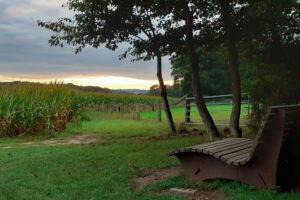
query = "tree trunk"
x=236 y=90
x=233 y=67
x=234 y=75
x=196 y=83
x=164 y=94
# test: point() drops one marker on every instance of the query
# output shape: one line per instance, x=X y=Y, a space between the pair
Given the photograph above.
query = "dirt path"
x=155 y=176
x=158 y=175
x=85 y=138
x=197 y=195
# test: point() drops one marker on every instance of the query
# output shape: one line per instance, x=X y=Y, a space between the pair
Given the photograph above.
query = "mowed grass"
x=102 y=170
x=117 y=128
x=217 y=112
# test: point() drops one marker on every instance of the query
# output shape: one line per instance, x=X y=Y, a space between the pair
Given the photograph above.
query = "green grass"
x=179 y=113
x=117 y=128
x=235 y=190
x=102 y=170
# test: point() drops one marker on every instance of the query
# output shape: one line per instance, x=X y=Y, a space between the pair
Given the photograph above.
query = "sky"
x=25 y=54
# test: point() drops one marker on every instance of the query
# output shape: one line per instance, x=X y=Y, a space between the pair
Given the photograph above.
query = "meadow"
x=218 y=112
x=34 y=167
x=103 y=169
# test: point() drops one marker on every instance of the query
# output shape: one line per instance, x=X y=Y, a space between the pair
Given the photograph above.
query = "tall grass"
x=41 y=109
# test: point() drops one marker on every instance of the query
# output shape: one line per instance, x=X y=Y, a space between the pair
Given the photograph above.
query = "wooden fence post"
x=138 y=116
x=159 y=112
x=153 y=109
x=187 y=111
x=121 y=109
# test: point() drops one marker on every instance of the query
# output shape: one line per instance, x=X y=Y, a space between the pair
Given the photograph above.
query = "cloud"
x=34 y=7
x=39 y=70
x=114 y=82
x=25 y=52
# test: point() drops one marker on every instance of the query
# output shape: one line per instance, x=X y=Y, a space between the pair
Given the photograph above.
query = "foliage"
x=213 y=75
x=267 y=33
x=272 y=47
x=141 y=24
x=29 y=109
x=113 y=22
x=172 y=91
x=89 y=88
x=69 y=85
x=263 y=33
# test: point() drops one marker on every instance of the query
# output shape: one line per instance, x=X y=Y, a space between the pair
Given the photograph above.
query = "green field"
x=32 y=166
x=179 y=113
x=102 y=170
x=42 y=109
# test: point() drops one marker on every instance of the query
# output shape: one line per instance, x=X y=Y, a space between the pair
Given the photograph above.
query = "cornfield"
x=41 y=109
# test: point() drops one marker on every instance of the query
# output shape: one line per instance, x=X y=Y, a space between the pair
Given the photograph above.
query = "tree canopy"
x=260 y=38
x=212 y=73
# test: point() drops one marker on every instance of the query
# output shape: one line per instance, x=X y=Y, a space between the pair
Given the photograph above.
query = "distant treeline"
x=174 y=90
x=69 y=85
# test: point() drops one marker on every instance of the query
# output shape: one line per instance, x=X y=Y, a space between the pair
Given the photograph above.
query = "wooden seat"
x=271 y=160
x=234 y=151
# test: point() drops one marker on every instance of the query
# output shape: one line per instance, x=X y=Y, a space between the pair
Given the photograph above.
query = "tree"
x=195 y=77
x=272 y=46
x=221 y=24
x=111 y=22
x=212 y=72
x=173 y=90
x=228 y=13
x=182 y=25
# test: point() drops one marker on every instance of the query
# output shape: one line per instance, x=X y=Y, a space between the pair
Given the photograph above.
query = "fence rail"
x=215 y=100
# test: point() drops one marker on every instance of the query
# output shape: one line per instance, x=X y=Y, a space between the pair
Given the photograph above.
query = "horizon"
x=25 y=54
x=88 y=82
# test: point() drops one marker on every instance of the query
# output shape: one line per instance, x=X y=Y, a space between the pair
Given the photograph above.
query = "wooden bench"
x=271 y=160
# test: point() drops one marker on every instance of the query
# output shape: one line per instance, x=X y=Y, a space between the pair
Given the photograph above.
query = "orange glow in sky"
x=112 y=82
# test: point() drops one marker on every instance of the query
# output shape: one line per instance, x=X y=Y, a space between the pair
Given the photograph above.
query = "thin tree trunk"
x=164 y=94
x=236 y=90
x=196 y=83
x=233 y=67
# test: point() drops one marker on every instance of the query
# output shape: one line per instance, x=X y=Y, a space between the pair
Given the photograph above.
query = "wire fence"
x=220 y=107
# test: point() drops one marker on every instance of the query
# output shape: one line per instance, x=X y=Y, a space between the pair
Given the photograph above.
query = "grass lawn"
x=217 y=112
x=179 y=113
x=102 y=170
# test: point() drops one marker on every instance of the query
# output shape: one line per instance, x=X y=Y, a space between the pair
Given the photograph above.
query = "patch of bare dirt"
x=3 y=168
x=86 y=138
x=198 y=195
x=158 y=175
x=154 y=176
x=77 y=139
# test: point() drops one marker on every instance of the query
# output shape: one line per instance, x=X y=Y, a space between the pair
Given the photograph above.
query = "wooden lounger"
x=271 y=160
